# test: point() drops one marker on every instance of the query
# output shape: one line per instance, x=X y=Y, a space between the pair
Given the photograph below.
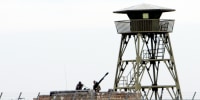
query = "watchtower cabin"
x=151 y=61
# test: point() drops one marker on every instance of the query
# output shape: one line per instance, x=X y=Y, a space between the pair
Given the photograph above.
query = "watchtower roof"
x=144 y=8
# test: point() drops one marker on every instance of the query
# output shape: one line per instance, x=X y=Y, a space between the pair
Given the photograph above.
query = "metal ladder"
x=160 y=49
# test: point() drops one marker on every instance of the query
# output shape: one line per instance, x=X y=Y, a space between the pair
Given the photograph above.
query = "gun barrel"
x=103 y=78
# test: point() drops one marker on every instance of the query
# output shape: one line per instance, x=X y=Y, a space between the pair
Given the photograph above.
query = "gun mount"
x=97 y=83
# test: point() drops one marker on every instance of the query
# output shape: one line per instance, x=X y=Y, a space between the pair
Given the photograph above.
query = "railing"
x=144 y=25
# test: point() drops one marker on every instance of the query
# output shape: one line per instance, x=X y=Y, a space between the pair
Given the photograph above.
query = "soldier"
x=79 y=86
x=96 y=86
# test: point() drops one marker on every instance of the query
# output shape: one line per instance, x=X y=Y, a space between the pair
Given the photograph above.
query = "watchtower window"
x=145 y=15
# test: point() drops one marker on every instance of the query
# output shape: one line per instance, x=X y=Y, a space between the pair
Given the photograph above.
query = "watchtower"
x=149 y=67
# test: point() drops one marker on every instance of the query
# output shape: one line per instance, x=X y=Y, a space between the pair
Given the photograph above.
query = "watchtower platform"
x=147 y=25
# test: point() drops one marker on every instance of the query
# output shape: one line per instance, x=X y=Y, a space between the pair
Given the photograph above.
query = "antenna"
x=65 y=76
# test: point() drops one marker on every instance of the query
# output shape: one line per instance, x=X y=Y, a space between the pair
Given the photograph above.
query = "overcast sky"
x=48 y=45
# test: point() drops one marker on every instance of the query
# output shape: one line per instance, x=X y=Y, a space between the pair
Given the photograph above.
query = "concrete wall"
x=92 y=96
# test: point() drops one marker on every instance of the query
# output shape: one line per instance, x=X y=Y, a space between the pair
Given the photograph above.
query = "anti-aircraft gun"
x=97 y=83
